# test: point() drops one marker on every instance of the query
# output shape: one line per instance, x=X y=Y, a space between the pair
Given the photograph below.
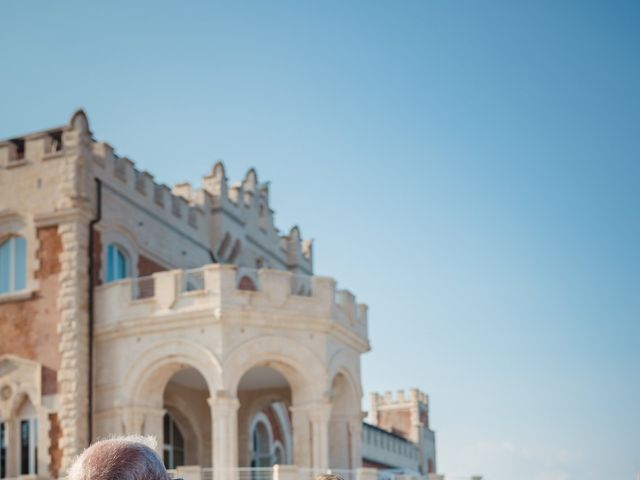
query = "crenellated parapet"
x=411 y=397
x=121 y=174
x=243 y=209
x=236 y=294
x=235 y=222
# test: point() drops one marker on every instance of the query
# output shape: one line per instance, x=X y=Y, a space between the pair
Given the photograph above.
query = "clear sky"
x=470 y=169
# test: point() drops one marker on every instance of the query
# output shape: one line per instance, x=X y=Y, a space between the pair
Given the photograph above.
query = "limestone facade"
x=182 y=313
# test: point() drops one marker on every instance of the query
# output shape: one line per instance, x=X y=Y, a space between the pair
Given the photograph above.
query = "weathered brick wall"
x=55 y=451
x=396 y=421
x=28 y=328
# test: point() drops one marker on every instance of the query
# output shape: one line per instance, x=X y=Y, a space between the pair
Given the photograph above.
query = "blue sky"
x=469 y=169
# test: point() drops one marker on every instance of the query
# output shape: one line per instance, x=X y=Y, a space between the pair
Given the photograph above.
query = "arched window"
x=118 y=265
x=261 y=445
x=173 y=447
x=279 y=458
x=13 y=264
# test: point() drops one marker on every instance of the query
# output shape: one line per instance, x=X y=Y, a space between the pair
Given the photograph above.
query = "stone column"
x=76 y=210
x=302 y=442
x=224 y=416
x=43 y=458
x=153 y=425
x=319 y=414
x=73 y=374
x=355 y=447
x=12 y=435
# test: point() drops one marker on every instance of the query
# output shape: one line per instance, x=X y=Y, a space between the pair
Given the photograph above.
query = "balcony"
x=293 y=298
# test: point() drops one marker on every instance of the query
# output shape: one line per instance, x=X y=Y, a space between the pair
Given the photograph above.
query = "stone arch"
x=341 y=362
x=301 y=367
x=152 y=369
x=345 y=421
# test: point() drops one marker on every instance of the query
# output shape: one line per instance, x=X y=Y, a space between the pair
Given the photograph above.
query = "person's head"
x=119 y=458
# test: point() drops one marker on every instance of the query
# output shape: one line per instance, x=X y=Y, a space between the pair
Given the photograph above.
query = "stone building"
x=130 y=307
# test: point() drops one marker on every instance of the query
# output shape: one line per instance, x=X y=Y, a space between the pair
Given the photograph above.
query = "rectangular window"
x=5 y=268
x=20 y=255
x=3 y=451
x=24 y=447
x=111 y=253
x=29 y=447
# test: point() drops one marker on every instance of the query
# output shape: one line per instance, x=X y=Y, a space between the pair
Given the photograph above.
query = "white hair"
x=119 y=458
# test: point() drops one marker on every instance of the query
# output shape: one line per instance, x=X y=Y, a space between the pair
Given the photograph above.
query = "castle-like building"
x=127 y=307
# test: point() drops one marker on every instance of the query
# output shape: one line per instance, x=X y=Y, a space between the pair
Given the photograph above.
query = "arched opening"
x=265 y=433
x=186 y=423
x=261 y=443
x=345 y=412
x=173 y=442
x=13 y=264
x=247 y=283
x=279 y=454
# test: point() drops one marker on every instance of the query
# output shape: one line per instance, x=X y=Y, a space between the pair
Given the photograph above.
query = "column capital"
x=320 y=412
x=316 y=411
x=223 y=399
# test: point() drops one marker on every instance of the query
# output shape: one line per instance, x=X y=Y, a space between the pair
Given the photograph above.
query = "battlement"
x=247 y=203
x=413 y=396
x=43 y=144
x=234 y=221
x=121 y=174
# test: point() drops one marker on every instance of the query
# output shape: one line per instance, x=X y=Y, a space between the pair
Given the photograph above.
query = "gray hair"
x=119 y=458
